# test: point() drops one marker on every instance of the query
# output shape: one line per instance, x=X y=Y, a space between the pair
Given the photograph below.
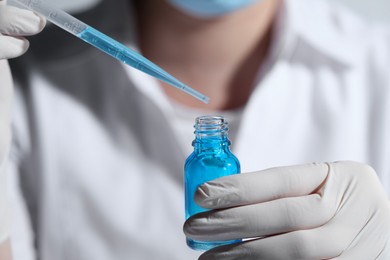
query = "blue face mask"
x=210 y=8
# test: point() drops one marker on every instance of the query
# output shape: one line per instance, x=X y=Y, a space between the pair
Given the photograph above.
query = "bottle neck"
x=211 y=133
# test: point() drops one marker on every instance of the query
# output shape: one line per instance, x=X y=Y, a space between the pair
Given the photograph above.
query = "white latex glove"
x=316 y=211
x=14 y=24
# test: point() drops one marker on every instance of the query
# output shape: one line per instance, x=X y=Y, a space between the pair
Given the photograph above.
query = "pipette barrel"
x=105 y=44
x=54 y=15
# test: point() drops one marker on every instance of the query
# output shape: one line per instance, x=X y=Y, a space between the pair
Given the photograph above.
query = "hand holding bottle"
x=316 y=211
x=14 y=24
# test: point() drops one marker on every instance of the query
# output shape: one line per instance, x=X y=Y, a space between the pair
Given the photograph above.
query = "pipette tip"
x=205 y=99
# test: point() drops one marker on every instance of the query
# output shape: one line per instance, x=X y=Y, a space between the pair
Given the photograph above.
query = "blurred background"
x=375 y=10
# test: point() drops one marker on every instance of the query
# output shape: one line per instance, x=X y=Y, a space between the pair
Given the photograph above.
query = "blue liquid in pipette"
x=134 y=59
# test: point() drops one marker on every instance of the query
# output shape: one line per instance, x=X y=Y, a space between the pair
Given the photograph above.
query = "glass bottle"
x=211 y=159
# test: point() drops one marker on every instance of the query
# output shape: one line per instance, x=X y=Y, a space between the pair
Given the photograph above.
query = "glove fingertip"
x=16 y=47
x=21 y=46
x=202 y=197
x=41 y=23
x=212 y=195
x=20 y=22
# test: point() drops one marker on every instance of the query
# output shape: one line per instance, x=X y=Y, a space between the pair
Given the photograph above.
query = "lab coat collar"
x=317 y=23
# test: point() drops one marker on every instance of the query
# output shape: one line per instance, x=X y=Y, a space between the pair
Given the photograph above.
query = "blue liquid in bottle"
x=210 y=160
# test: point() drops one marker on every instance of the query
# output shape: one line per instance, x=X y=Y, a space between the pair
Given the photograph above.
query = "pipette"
x=105 y=44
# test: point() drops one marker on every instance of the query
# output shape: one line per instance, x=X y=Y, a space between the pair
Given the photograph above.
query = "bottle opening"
x=206 y=126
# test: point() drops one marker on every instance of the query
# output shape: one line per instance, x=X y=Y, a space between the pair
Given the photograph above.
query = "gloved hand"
x=14 y=24
x=316 y=211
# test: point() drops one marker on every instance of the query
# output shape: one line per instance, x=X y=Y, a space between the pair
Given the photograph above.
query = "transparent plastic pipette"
x=105 y=43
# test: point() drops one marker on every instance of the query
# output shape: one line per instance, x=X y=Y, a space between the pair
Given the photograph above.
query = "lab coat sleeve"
x=378 y=67
x=4 y=217
x=21 y=231
x=22 y=236
x=387 y=73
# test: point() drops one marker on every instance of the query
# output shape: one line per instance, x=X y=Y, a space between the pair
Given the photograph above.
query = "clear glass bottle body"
x=210 y=160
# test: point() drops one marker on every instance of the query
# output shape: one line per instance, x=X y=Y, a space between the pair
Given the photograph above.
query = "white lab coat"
x=100 y=161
